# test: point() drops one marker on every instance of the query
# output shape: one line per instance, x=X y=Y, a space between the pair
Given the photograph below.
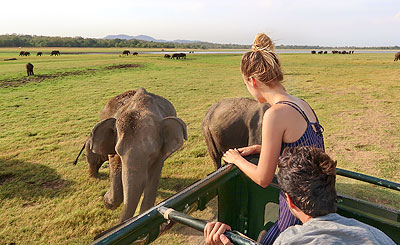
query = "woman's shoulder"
x=277 y=112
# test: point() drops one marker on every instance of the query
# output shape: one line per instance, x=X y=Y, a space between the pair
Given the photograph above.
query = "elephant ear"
x=104 y=137
x=174 y=133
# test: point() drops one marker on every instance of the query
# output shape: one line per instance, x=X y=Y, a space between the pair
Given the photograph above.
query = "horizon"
x=354 y=23
x=299 y=45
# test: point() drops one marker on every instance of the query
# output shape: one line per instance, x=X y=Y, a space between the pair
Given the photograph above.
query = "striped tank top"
x=312 y=135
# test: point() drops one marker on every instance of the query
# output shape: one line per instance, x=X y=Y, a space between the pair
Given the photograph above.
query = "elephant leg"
x=114 y=197
x=95 y=161
x=150 y=191
x=133 y=183
x=212 y=146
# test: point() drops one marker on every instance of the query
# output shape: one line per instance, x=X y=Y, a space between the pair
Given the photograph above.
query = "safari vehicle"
x=246 y=207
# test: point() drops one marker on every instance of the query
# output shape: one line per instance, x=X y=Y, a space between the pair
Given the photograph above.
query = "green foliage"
x=45 y=41
x=43 y=124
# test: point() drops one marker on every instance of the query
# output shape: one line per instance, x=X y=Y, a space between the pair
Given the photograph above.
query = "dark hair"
x=308 y=176
x=262 y=62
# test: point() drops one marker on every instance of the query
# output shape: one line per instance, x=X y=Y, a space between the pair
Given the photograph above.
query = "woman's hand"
x=214 y=233
x=231 y=156
x=248 y=150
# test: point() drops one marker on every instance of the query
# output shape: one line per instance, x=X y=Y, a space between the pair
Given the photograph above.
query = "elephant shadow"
x=24 y=180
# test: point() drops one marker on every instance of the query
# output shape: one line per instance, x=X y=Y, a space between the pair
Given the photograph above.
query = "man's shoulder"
x=332 y=228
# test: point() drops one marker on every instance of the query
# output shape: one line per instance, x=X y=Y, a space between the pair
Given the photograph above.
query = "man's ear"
x=253 y=81
x=289 y=201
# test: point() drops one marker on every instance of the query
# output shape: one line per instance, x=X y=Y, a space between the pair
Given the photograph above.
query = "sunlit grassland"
x=45 y=199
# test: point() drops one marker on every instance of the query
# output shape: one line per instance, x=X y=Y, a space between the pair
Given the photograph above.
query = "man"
x=307 y=176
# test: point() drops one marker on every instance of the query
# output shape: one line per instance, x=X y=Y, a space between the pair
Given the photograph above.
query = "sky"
x=291 y=22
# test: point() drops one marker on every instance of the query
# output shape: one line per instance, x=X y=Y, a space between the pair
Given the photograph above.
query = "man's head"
x=308 y=175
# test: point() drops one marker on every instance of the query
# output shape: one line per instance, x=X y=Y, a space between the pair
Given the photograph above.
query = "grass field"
x=45 y=120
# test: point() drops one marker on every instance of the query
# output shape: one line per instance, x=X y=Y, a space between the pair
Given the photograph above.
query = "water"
x=279 y=51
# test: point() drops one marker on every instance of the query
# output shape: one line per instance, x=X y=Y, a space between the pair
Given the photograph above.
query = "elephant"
x=397 y=56
x=178 y=55
x=29 y=69
x=135 y=53
x=137 y=133
x=313 y=52
x=22 y=53
x=27 y=54
x=167 y=56
x=232 y=123
x=126 y=52
x=55 y=52
x=39 y=54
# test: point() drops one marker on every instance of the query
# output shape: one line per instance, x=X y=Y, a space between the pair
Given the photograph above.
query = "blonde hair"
x=262 y=62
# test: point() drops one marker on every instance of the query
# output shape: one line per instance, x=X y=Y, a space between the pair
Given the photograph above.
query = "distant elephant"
x=55 y=52
x=39 y=54
x=397 y=56
x=176 y=55
x=167 y=56
x=27 y=53
x=126 y=52
x=29 y=69
x=320 y=52
x=135 y=53
x=22 y=53
x=138 y=131
x=232 y=123
x=313 y=52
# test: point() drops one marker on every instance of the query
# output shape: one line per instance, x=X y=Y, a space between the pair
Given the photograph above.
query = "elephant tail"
x=83 y=147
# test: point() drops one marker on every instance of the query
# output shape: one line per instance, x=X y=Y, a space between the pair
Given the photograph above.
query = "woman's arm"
x=248 y=150
x=273 y=128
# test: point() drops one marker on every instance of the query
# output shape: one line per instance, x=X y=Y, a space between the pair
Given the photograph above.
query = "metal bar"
x=234 y=236
x=369 y=179
x=128 y=231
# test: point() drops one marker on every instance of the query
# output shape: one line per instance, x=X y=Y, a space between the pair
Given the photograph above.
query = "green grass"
x=45 y=199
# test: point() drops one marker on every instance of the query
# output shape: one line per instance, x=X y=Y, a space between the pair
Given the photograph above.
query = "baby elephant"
x=137 y=133
x=29 y=69
x=232 y=123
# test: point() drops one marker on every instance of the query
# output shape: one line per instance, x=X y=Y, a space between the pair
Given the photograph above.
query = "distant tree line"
x=15 y=40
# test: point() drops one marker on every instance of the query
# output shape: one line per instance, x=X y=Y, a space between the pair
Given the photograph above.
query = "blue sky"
x=309 y=22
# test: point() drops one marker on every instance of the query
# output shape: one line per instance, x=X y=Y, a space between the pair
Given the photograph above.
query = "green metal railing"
x=242 y=204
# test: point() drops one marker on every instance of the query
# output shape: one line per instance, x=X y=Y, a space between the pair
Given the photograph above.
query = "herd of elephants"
x=139 y=130
x=29 y=66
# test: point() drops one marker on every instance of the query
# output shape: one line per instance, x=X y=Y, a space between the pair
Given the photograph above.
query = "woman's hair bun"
x=262 y=42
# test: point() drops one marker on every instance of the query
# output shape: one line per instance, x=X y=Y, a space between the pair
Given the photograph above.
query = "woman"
x=289 y=122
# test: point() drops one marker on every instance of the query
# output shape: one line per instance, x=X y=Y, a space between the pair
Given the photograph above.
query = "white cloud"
x=397 y=16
